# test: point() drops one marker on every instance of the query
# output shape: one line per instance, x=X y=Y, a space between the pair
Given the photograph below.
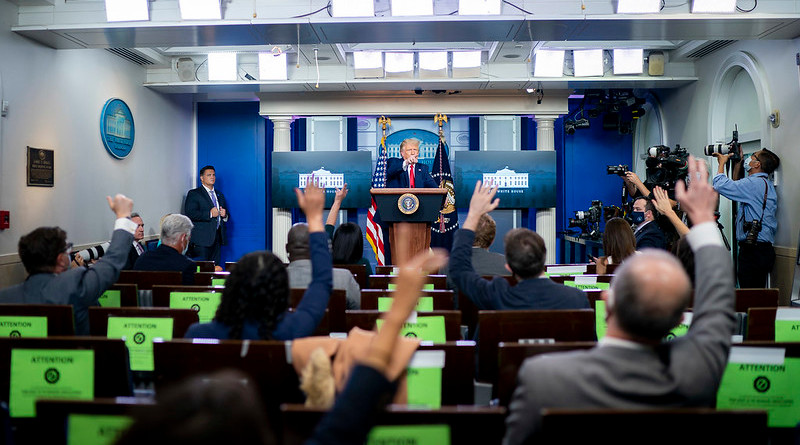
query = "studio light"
x=432 y=64
x=479 y=7
x=628 y=61
x=638 y=6
x=368 y=63
x=549 y=63
x=126 y=10
x=588 y=62
x=272 y=66
x=399 y=65
x=636 y=113
x=353 y=8
x=405 y=8
x=713 y=6
x=186 y=69
x=222 y=66
x=466 y=63
x=200 y=9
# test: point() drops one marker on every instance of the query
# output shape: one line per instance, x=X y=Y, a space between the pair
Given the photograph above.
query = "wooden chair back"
x=206 y=278
x=383 y=281
x=128 y=294
x=60 y=321
x=337 y=304
x=146 y=279
x=359 y=272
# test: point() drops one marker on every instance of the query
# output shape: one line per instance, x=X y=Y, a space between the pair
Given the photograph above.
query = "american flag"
x=374 y=230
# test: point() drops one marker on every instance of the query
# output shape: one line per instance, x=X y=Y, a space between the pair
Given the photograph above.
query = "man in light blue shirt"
x=758 y=204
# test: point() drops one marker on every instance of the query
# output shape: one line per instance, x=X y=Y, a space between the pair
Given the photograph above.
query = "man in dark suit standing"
x=136 y=249
x=208 y=210
x=406 y=172
x=645 y=228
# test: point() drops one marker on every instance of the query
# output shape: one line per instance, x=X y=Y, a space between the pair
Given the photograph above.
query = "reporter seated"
x=176 y=230
x=618 y=244
x=45 y=253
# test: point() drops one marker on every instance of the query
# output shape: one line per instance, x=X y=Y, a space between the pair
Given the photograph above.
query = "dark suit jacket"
x=650 y=236
x=497 y=294
x=133 y=255
x=80 y=287
x=684 y=372
x=396 y=177
x=198 y=207
x=166 y=258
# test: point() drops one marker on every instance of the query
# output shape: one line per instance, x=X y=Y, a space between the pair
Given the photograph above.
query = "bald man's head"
x=649 y=294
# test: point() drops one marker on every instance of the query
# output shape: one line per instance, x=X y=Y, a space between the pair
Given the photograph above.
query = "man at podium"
x=406 y=172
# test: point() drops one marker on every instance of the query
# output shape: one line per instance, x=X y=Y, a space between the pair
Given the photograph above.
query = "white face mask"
x=747 y=165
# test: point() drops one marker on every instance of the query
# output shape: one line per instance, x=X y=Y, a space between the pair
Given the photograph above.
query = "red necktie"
x=411 y=175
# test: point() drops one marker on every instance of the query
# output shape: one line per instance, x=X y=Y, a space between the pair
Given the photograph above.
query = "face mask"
x=637 y=217
x=747 y=166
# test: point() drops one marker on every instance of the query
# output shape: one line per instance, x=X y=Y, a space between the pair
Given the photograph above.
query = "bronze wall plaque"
x=40 y=167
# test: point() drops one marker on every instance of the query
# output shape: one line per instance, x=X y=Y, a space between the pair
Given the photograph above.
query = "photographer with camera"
x=755 y=223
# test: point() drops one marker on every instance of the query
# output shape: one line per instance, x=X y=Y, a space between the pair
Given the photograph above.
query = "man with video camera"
x=756 y=223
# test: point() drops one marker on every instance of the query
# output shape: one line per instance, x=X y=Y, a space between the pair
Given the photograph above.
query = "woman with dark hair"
x=256 y=296
x=618 y=244
x=348 y=239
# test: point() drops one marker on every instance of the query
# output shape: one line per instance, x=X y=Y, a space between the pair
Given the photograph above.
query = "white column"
x=281 y=218
x=546 y=218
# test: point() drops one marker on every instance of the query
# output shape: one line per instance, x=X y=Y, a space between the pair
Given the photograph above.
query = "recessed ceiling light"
x=222 y=66
x=549 y=63
x=200 y=9
x=126 y=10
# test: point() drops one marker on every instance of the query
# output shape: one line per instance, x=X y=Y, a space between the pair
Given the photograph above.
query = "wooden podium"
x=416 y=208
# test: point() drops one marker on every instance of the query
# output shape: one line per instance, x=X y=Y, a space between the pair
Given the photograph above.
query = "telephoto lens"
x=722 y=149
x=92 y=253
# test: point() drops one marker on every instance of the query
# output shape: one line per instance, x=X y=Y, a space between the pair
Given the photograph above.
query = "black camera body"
x=752 y=229
x=618 y=170
x=665 y=167
x=588 y=220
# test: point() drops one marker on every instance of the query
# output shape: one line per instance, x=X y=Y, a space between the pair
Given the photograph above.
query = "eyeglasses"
x=68 y=249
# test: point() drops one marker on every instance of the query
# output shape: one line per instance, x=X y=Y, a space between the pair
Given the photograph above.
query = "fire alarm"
x=5 y=219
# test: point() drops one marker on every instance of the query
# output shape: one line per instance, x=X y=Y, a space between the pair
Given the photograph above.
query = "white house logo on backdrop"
x=326 y=179
x=116 y=128
x=507 y=179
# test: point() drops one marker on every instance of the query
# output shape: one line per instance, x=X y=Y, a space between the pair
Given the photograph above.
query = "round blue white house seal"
x=116 y=128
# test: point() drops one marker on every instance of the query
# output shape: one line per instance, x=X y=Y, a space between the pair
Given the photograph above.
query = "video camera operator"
x=755 y=223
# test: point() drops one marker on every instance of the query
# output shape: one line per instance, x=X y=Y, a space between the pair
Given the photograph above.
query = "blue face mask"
x=637 y=217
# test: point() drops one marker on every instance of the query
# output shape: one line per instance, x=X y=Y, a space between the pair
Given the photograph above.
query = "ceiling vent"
x=140 y=56
x=701 y=48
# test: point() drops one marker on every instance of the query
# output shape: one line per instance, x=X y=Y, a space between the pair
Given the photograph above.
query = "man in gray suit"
x=631 y=368
x=45 y=255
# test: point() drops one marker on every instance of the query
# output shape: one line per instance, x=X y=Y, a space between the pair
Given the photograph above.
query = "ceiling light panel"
x=628 y=61
x=200 y=9
x=549 y=63
x=588 y=62
x=272 y=66
x=638 y=6
x=368 y=63
x=399 y=64
x=126 y=10
x=405 y=8
x=713 y=6
x=479 y=7
x=433 y=64
x=222 y=66
x=353 y=8
x=466 y=59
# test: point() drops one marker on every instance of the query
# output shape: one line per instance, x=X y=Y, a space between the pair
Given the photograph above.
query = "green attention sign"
x=19 y=326
x=411 y=434
x=218 y=281
x=95 y=429
x=604 y=286
x=425 y=304
x=205 y=303
x=600 y=318
x=111 y=298
x=427 y=286
x=425 y=328
x=424 y=379
x=138 y=333
x=49 y=374
x=770 y=385
x=787 y=324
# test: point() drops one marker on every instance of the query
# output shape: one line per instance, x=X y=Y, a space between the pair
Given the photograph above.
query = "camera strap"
x=764 y=205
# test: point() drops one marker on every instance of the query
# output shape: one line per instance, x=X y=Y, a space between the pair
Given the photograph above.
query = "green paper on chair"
x=95 y=429
x=425 y=328
x=425 y=304
x=411 y=434
x=205 y=303
x=787 y=324
x=138 y=333
x=49 y=374
x=111 y=298
x=16 y=326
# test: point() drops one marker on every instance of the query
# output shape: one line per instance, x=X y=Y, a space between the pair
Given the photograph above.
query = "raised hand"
x=121 y=205
x=312 y=201
x=483 y=201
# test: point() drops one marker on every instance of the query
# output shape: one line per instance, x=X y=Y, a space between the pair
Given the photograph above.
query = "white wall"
x=55 y=100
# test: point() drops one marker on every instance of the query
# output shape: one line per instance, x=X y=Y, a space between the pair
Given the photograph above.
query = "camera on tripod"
x=588 y=220
x=666 y=166
x=731 y=147
x=618 y=170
